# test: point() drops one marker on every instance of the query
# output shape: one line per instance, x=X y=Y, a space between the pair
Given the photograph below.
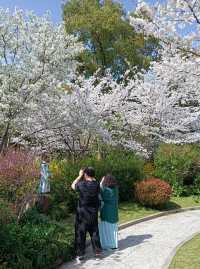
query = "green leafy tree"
x=109 y=39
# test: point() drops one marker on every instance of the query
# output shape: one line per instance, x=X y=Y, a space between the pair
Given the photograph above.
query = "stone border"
x=157 y=215
x=174 y=251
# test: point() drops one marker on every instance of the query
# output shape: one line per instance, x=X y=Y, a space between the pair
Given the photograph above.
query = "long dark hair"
x=110 y=181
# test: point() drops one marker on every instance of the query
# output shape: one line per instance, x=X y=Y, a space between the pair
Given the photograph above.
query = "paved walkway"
x=146 y=245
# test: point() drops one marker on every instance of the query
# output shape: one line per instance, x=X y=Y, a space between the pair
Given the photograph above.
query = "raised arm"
x=73 y=186
x=101 y=183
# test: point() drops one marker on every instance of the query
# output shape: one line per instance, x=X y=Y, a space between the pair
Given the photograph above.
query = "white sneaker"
x=79 y=259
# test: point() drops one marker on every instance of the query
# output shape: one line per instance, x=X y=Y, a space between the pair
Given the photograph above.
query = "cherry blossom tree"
x=43 y=102
x=35 y=56
x=76 y=116
x=175 y=23
x=164 y=102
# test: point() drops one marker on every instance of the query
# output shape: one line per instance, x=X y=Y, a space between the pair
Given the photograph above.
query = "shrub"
x=35 y=243
x=19 y=176
x=125 y=166
x=152 y=192
x=62 y=200
x=6 y=213
x=196 y=186
x=34 y=217
x=149 y=169
x=179 y=165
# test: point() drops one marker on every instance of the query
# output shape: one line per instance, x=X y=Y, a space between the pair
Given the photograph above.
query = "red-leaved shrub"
x=152 y=192
x=19 y=175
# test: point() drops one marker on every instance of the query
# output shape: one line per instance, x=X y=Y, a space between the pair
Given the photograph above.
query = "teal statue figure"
x=44 y=185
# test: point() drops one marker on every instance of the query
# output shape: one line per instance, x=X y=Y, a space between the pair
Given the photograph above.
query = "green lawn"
x=130 y=211
x=186 y=201
x=187 y=257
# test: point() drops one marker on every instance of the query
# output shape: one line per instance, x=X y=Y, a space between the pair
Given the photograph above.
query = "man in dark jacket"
x=87 y=212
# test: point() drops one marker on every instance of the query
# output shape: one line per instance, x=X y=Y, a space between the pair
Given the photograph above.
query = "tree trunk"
x=4 y=142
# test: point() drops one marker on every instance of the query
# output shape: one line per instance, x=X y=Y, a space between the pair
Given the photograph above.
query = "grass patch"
x=189 y=201
x=130 y=211
x=187 y=257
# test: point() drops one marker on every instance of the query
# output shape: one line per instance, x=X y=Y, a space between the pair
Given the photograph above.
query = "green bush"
x=149 y=169
x=125 y=166
x=196 y=186
x=153 y=192
x=34 y=243
x=32 y=216
x=6 y=213
x=179 y=165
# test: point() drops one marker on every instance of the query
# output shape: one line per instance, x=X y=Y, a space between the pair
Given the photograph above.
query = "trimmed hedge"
x=153 y=192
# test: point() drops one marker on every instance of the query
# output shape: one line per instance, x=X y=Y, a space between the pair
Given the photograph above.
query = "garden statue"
x=44 y=185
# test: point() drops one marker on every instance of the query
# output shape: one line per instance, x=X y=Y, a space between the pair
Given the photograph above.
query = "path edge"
x=162 y=214
x=157 y=215
x=175 y=250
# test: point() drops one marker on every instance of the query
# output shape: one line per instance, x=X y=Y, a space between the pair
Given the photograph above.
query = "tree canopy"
x=109 y=39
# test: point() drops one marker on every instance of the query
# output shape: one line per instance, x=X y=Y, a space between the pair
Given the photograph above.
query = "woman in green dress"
x=108 y=227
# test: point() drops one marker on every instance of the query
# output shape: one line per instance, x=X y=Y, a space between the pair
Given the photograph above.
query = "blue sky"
x=40 y=6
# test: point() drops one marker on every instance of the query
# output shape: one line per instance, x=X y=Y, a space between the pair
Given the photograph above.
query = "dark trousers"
x=86 y=221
